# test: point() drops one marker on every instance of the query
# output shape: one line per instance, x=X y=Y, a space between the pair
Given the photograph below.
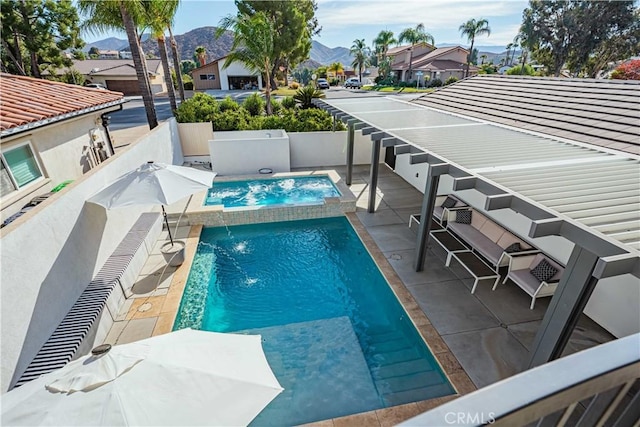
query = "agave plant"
x=304 y=96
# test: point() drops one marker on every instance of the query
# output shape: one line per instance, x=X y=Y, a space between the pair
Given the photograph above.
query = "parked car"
x=323 y=84
x=353 y=83
x=95 y=86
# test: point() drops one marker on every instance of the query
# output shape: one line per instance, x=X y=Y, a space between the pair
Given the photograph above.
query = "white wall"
x=50 y=254
x=62 y=153
x=246 y=152
x=613 y=304
x=320 y=149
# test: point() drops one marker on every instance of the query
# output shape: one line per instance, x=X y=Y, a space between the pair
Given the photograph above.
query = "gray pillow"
x=514 y=247
x=449 y=202
x=463 y=216
x=544 y=271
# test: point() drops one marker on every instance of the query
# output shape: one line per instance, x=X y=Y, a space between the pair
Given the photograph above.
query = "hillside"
x=112 y=43
x=326 y=55
x=188 y=42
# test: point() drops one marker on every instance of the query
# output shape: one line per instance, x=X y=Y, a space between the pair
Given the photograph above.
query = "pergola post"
x=373 y=174
x=428 y=203
x=350 y=144
x=566 y=306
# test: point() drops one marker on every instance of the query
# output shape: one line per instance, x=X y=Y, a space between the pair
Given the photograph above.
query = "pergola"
x=588 y=195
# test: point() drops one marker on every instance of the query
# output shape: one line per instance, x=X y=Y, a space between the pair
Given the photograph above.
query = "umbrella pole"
x=166 y=221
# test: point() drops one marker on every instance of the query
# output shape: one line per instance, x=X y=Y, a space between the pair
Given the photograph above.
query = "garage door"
x=128 y=87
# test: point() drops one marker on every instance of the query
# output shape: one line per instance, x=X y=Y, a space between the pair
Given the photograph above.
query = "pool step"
x=400 y=372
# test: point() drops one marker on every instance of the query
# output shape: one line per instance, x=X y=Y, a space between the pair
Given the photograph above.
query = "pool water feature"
x=333 y=332
x=297 y=190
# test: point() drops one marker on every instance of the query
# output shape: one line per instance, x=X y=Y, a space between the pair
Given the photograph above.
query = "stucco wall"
x=318 y=149
x=245 y=152
x=211 y=68
x=614 y=302
x=50 y=254
x=61 y=150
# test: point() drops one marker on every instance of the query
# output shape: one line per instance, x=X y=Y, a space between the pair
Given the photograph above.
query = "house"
x=50 y=132
x=235 y=77
x=120 y=74
x=108 y=54
x=429 y=62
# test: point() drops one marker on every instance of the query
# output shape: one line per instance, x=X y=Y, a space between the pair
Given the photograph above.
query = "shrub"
x=305 y=95
x=294 y=85
x=517 y=70
x=334 y=82
x=435 y=83
x=228 y=104
x=200 y=108
x=275 y=106
x=188 y=85
x=627 y=71
x=254 y=104
x=272 y=122
x=289 y=102
x=451 y=80
x=231 y=119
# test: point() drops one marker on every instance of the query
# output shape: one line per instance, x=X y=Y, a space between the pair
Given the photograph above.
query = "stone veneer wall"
x=216 y=216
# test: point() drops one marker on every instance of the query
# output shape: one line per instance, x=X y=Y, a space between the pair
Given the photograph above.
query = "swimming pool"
x=297 y=190
x=334 y=334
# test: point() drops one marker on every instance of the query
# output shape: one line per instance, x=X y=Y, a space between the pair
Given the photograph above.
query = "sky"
x=343 y=21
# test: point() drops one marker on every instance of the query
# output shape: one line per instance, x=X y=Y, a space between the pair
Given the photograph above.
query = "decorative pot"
x=173 y=252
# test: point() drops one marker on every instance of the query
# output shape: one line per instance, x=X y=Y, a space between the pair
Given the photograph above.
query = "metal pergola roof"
x=574 y=183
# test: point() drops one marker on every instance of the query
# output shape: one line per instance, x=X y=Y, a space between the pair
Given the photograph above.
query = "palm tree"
x=156 y=15
x=104 y=16
x=336 y=67
x=360 y=53
x=509 y=47
x=176 y=61
x=484 y=58
x=381 y=44
x=471 y=29
x=201 y=55
x=414 y=36
x=253 y=45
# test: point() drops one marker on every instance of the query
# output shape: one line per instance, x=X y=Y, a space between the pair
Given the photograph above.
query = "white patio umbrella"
x=179 y=379
x=154 y=184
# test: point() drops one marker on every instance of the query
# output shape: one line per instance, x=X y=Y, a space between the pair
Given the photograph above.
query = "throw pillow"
x=449 y=202
x=544 y=271
x=514 y=247
x=463 y=216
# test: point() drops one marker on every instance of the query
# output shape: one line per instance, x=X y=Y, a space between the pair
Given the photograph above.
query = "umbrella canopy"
x=183 y=378
x=153 y=184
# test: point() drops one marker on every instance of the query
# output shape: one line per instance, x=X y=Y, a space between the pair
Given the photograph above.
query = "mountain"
x=217 y=48
x=326 y=55
x=112 y=43
x=188 y=42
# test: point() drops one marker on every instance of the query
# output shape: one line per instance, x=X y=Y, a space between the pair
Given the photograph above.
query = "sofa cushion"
x=544 y=271
x=525 y=280
x=478 y=220
x=492 y=230
x=437 y=212
x=477 y=241
x=507 y=239
x=463 y=216
x=449 y=202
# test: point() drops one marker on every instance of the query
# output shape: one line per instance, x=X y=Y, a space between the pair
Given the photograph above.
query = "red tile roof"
x=27 y=101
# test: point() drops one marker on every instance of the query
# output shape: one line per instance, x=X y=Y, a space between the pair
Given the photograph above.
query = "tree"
x=471 y=29
x=294 y=25
x=187 y=65
x=360 y=53
x=253 y=45
x=381 y=44
x=104 y=16
x=414 y=36
x=157 y=13
x=336 y=68
x=94 y=51
x=36 y=33
x=572 y=32
x=201 y=55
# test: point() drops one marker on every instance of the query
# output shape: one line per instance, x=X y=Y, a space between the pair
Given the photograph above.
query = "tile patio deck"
x=487 y=334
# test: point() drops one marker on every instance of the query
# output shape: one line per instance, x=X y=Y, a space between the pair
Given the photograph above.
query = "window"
x=207 y=76
x=18 y=168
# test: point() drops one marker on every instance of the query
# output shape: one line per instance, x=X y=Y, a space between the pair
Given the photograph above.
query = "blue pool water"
x=333 y=332
x=275 y=191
